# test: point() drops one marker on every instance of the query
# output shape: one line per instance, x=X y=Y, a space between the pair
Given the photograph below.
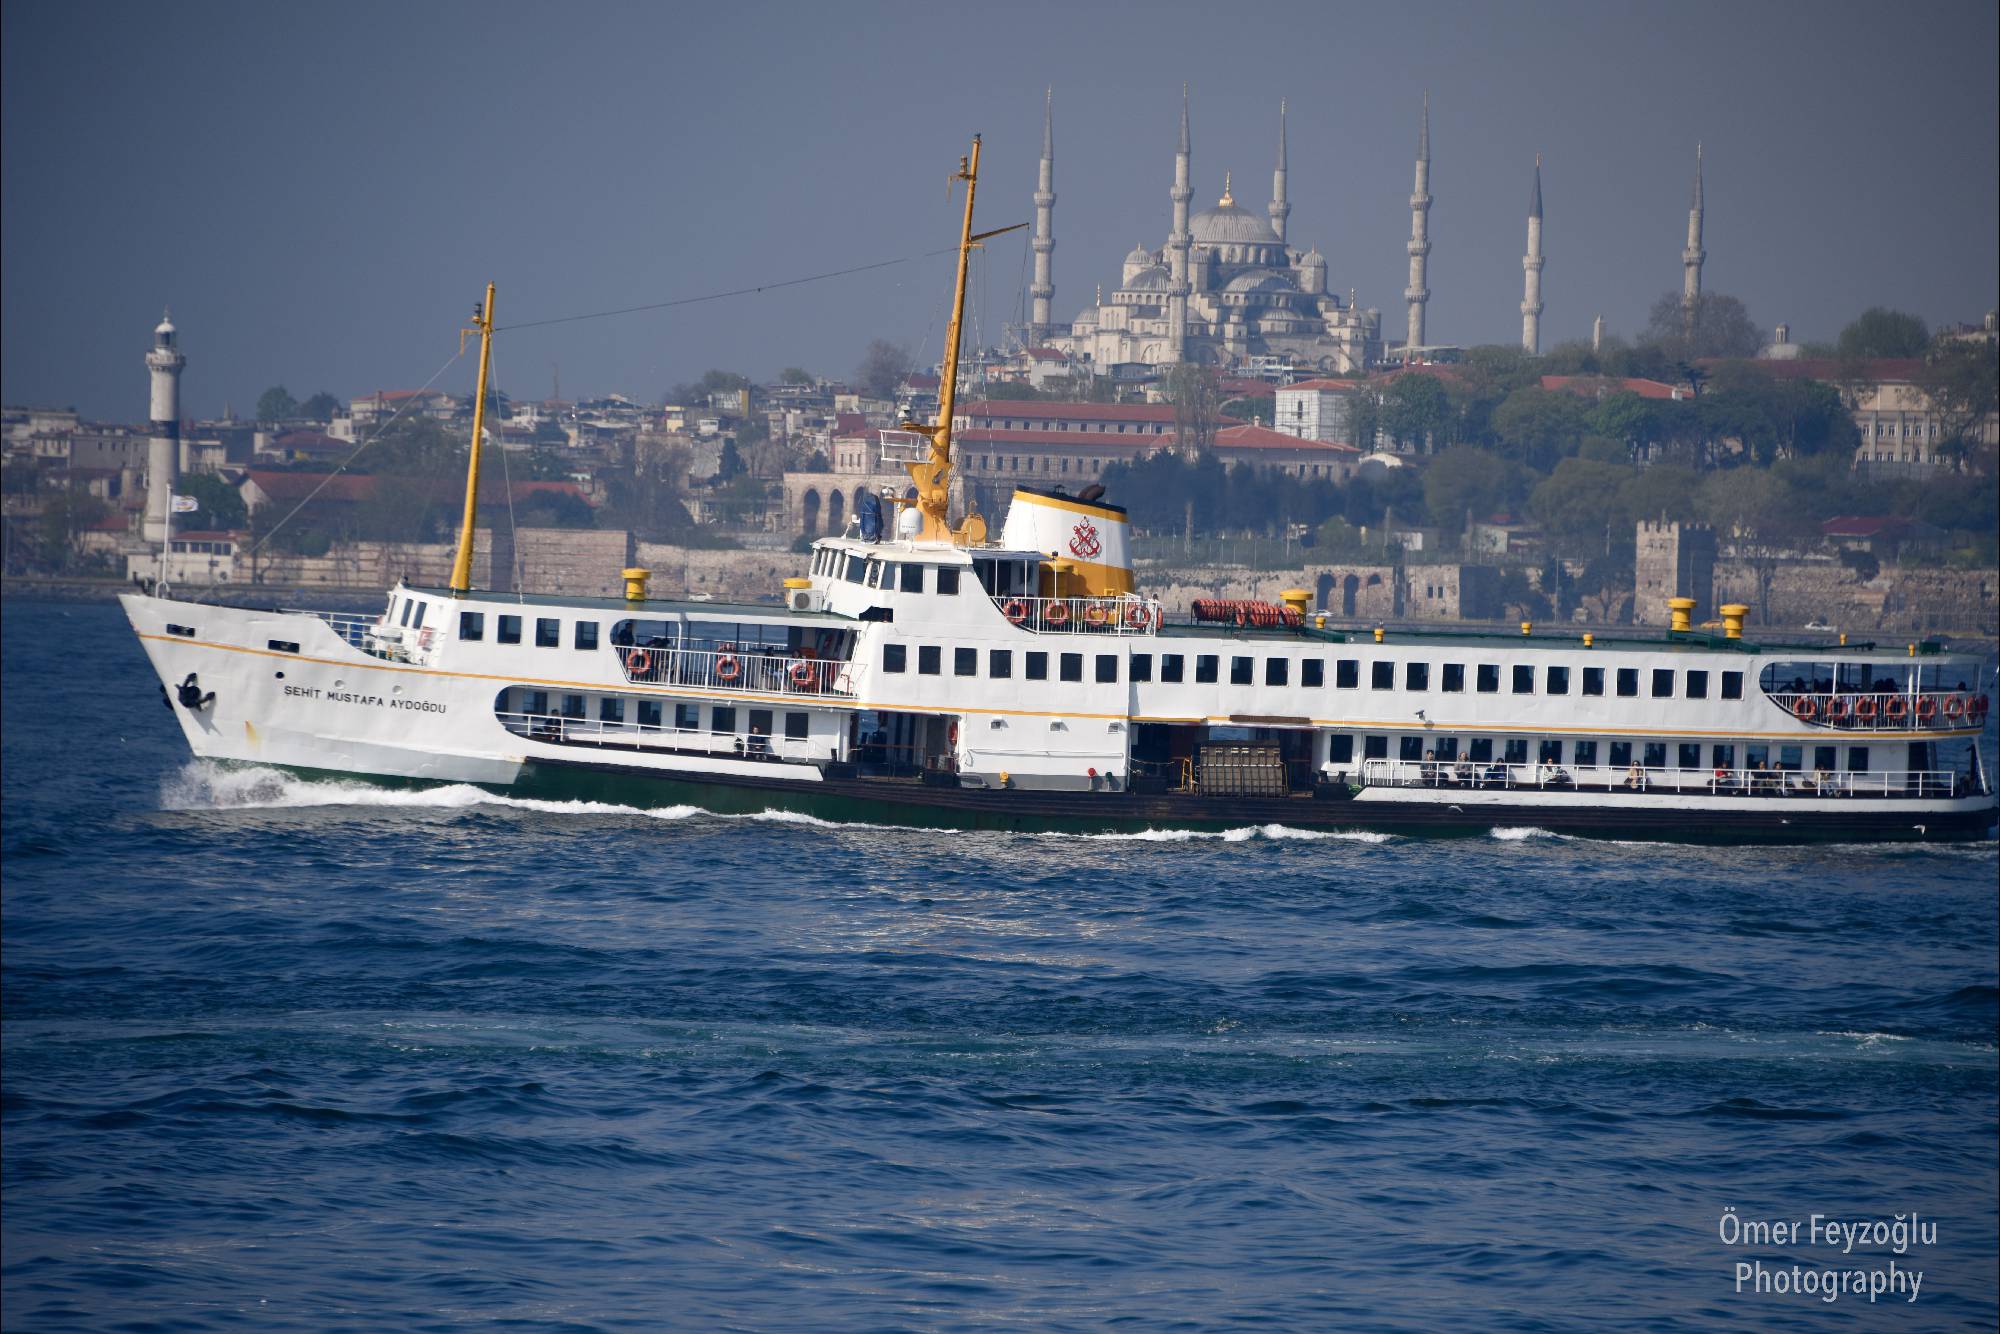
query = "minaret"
x=1597 y=335
x=1179 y=239
x=1531 y=266
x=1044 y=287
x=1420 y=232
x=163 y=449
x=1692 y=257
x=1281 y=207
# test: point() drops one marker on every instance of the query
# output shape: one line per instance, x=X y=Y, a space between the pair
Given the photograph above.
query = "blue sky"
x=321 y=192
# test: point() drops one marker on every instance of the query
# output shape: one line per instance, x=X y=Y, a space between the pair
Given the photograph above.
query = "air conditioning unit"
x=806 y=599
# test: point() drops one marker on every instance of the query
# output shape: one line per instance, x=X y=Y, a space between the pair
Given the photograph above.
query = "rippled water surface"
x=282 y=1055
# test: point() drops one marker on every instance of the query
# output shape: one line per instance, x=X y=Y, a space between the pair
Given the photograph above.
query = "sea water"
x=286 y=1055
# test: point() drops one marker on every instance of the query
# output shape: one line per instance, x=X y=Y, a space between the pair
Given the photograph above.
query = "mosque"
x=1223 y=289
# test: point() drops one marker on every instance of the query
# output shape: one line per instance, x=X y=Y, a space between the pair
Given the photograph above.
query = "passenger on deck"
x=1635 y=778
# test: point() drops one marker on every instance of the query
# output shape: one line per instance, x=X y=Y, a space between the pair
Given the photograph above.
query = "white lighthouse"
x=163 y=449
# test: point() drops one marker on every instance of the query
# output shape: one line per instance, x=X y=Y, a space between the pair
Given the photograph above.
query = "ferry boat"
x=921 y=672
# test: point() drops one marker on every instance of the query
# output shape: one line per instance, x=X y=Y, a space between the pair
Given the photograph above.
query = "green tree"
x=1881 y=332
x=321 y=407
x=795 y=375
x=1193 y=391
x=1962 y=379
x=1498 y=369
x=1759 y=514
x=1581 y=506
x=1415 y=411
x=276 y=404
x=221 y=504
x=882 y=368
x=1539 y=427
x=1465 y=477
x=1720 y=327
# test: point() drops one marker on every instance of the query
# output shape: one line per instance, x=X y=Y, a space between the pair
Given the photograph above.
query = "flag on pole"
x=185 y=504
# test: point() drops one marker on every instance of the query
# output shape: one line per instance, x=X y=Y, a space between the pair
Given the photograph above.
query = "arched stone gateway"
x=1349 y=587
x=809 y=511
x=836 y=512
x=1323 y=591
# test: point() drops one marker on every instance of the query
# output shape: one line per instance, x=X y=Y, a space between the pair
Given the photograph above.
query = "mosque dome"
x=1140 y=257
x=1150 y=279
x=1260 y=282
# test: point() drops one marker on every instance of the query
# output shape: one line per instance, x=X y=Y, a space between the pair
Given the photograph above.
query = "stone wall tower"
x=1692 y=257
x=1420 y=232
x=1531 y=268
x=1044 y=288
x=1180 y=239
x=163 y=447
x=1281 y=207
x=1672 y=560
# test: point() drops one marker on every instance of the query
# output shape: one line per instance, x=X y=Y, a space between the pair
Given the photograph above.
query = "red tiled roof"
x=1238 y=385
x=310 y=440
x=1860 y=525
x=1252 y=436
x=1037 y=409
x=1337 y=386
x=1129 y=443
x=850 y=423
x=1879 y=370
x=110 y=523
x=921 y=380
x=1589 y=385
x=1435 y=369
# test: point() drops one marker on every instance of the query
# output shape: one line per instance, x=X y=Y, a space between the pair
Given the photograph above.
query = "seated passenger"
x=1635 y=777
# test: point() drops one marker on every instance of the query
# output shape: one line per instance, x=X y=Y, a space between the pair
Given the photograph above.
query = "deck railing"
x=1084 y=615
x=730 y=669
x=1886 y=711
x=559 y=729
x=392 y=643
x=1485 y=774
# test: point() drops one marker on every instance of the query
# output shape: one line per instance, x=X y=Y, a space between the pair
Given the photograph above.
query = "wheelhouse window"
x=1240 y=671
x=1312 y=673
x=548 y=632
x=930 y=660
x=947 y=581
x=510 y=630
x=1593 y=680
x=1036 y=666
x=1454 y=678
x=1205 y=668
x=1070 y=666
x=1381 y=676
x=1628 y=682
x=1697 y=685
x=1556 y=681
x=472 y=625
x=407 y=604
x=417 y=621
x=1347 y=674
x=1142 y=666
x=1732 y=685
x=1107 y=669
x=1172 y=668
x=586 y=634
x=1000 y=663
x=1416 y=676
x=895 y=657
x=856 y=568
x=912 y=578
x=1488 y=678
x=1663 y=683
x=965 y=662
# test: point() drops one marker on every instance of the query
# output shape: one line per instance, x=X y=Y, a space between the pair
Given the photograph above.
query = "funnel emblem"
x=1083 y=540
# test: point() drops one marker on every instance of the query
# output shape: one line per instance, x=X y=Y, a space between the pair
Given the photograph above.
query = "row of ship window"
x=1586 y=754
x=901 y=577
x=507 y=630
x=1524 y=679
x=722 y=718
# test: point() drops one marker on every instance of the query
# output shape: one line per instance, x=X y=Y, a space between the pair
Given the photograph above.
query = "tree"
x=1760 y=514
x=1465 y=477
x=1581 y=507
x=1719 y=327
x=276 y=404
x=321 y=407
x=1415 y=411
x=1364 y=419
x=882 y=368
x=1961 y=377
x=795 y=375
x=1193 y=391
x=1881 y=332
x=221 y=505
x=1252 y=407
x=1539 y=427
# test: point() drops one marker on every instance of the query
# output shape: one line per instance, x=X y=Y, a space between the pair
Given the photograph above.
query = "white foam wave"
x=202 y=786
x=1515 y=833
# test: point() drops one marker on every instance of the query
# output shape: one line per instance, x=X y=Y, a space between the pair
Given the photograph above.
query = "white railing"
x=729 y=669
x=1089 y=616
x=565 y=731
x=1498 y=775
x=394 y=643
x=1887 y=711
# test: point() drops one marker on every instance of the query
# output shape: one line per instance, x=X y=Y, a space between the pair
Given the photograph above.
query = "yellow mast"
x=482 y=324
x=933 y=475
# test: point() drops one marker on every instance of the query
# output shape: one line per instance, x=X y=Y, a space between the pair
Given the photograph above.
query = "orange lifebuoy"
x=727 y=668
x=1954 y=707
x=1895 y=708
x=1015 y=611
x=1864 y=708
x=637 y=661
x=1926 y=708
x=1056 y=614
x=1806 y=707
x=1838 y=708
x=1139 y=617
x=1096 y=614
